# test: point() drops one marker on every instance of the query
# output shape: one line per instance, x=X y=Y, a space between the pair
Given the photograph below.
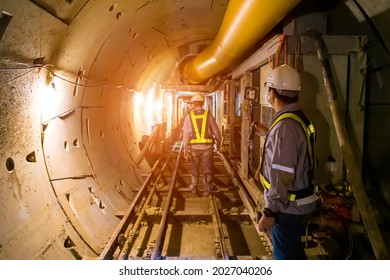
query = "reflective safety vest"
x=199 y=124
x=310 y=132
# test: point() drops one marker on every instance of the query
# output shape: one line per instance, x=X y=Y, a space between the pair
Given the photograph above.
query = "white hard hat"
x=197 y=97
x=285 y=79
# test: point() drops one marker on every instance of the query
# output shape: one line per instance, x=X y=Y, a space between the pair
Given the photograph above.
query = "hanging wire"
x=17 y=77
x=281 y=43
x=350 y=242
x=106 y=83
x=52 y=73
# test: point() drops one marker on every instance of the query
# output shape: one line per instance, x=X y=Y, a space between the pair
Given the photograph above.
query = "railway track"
x=167 y=221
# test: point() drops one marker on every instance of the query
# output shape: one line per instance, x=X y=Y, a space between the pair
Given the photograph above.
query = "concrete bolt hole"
x=76 y=142
x=9 y=163
x=31 y=157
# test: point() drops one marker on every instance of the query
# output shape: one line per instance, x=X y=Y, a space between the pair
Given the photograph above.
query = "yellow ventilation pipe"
x=245 y=22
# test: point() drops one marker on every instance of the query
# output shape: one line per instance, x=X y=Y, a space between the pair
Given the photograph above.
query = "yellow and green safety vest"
x=310 y=132
x=199 y=124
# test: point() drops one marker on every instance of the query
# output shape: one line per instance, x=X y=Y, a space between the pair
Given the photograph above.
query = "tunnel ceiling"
x=133 y=43
x=139 y=43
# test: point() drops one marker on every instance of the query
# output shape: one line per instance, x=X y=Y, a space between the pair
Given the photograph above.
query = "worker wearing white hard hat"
x=288 y=163
x=197 y=97
x=200 y=134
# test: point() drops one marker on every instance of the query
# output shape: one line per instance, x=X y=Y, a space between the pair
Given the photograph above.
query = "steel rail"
x=218 y=229
x=157 y=249
x=131 y=235
x=112 y=245
x=246 y=200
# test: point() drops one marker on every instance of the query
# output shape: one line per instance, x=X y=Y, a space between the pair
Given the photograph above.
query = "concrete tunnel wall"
x=33 y=225
x=84 y=143
x=67 y=164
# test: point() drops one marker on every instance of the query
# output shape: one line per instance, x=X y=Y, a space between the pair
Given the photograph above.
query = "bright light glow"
x=138 y=99
x=49 y=98
x=169 y=112
x=50 y=95
x=149 y=110
x=138 y=114
x=157 y=108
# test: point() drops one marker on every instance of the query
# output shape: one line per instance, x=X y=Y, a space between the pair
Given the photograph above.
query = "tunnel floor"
x=168 y=221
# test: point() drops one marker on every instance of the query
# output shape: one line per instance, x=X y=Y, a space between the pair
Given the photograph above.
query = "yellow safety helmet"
x=197 y=97
x=285 y=79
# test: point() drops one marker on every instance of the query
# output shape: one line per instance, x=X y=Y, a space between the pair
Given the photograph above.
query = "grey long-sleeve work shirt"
x=286 y=165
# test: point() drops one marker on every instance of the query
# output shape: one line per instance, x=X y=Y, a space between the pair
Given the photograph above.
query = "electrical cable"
x=17 y=77
x=350 y=243
x=87 y=86
x=45 y=67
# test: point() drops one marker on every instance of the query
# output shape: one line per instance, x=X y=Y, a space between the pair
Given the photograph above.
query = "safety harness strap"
x=292 y=195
